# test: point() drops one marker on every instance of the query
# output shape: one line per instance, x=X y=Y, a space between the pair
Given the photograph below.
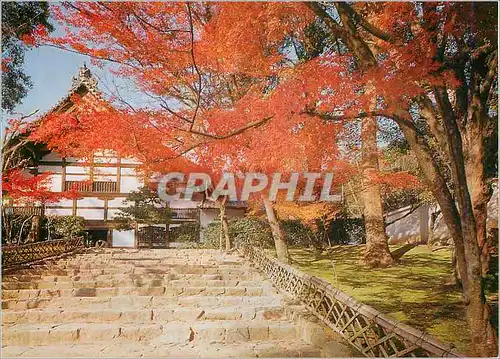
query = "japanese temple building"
x=104 y=181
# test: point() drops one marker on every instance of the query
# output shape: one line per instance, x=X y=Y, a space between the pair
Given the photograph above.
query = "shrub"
x=65 y=226
x=348 y=231
x=186 y=232
x=253 y=230
x=17 y=228
x=258 y=232
x=298 y=234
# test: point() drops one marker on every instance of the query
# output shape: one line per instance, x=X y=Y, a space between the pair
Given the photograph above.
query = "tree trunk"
x=455 y=273
x=35 y=229
x=224 y=227
x=376 y=252
x=432 y=223
x=279 y=238
x=460 y=219
x=462 y=230
x=480 y=191
x=221 y=236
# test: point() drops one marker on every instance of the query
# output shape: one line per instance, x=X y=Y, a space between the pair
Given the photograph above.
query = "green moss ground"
x=416 y=291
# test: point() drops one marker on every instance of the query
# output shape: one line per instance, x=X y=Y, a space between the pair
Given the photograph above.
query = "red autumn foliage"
x=228 y=90
x=24 y=187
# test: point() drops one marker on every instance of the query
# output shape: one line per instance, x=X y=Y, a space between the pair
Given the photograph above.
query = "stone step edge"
x=256 y=349
x=274 y=312
x=173 y=332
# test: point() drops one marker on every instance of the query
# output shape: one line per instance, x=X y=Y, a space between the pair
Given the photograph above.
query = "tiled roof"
x=83 y=79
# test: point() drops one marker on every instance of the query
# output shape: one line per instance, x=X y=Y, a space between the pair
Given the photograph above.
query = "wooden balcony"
x=94 y=187
x=25 y=210
x=185 y=214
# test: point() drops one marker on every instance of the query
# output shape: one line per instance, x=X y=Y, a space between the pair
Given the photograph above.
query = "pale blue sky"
x=51 y=71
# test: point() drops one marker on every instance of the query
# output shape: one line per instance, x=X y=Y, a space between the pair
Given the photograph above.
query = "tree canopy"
x=21 y=23
x=273 y=86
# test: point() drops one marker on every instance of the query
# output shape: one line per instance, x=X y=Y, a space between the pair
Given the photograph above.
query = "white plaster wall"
x=82 y=177
x=94 y=213
x=130 y=160
x=105 y=171
x=123 y=238
x=105 y=178
x=55 y=181
x=118 y=202
x=58 y=211
x=90 y=202
x=112 y=213
x=207 y=216
x=128 y=184
x=105 y=159
x=128 y=171
x=407 y=229
x=61 y=203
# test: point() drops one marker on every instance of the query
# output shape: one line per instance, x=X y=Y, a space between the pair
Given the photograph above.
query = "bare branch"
x=375 y=31
x=195 y=67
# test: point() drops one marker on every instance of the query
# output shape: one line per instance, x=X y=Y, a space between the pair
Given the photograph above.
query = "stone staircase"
x=155 y=303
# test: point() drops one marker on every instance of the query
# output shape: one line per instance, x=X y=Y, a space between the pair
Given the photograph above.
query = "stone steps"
x=153 y=303
x=160 y=315
x=277 y=348
x=121 y=276
x=108 y=270
x=134 y=301
x=25 y=294
x=130 y=282
x=168 y=333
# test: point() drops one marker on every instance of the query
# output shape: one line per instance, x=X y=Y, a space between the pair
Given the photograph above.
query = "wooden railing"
x=185 y=213
x=371 y=332
x=14 y=255
x=95 y=186
x=25 y=210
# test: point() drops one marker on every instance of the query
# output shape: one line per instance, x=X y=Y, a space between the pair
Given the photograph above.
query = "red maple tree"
x=248 y=75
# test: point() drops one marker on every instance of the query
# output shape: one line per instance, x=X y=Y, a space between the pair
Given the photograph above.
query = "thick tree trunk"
x=462 y=230
x=460 y=221
x=483 y=335
x=376 y=252
x=278 y=235
x=480 y=192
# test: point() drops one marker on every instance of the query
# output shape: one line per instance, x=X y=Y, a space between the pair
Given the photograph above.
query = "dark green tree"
x=146 y=208
x=20 y=20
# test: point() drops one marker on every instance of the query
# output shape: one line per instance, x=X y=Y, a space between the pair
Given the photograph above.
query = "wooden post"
x=135 y=235
x=118 y=175
x=167 y=235
x=63 y=176
x=109 y=238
